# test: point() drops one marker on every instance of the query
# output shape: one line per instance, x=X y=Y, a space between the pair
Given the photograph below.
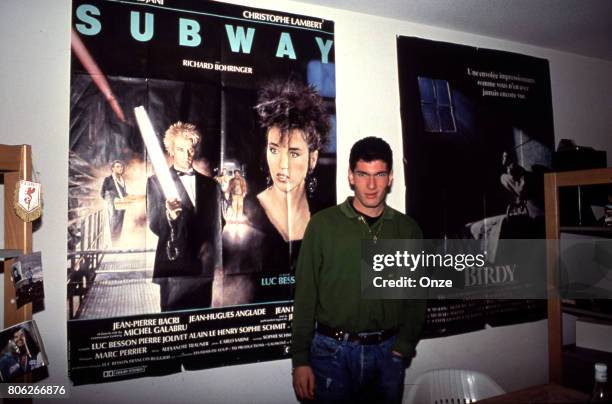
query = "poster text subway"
x=142 y=29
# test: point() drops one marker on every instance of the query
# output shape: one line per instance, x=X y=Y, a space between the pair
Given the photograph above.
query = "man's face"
x=370 y=181
x=118 y=168
x=19 y=338
x=182 y=152
x=237 y=174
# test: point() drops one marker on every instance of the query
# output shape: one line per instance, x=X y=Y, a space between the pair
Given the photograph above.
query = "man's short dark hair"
x=117 y=162
x=369 y=149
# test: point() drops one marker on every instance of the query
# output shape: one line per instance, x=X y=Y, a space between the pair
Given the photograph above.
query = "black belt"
x=364 y=338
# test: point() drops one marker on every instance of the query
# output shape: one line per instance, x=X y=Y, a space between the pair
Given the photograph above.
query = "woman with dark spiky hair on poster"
x=296 y=129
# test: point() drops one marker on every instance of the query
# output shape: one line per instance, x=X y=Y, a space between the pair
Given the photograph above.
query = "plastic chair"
x=451 y=386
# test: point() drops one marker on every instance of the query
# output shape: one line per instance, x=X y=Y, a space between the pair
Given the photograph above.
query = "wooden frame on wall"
x=15 y=164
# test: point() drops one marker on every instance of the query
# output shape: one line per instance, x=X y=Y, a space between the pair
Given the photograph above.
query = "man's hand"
x=304 y=382
x=407 y=360
x=173 y=208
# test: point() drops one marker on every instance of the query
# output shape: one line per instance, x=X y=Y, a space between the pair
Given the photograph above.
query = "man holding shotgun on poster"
x=346 y=348
x=188 y=225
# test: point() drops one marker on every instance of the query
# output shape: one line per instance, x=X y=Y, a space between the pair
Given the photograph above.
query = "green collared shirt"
x=328 y=280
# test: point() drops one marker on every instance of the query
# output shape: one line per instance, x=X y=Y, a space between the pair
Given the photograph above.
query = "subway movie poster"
x=478 y=137
x=202 y=139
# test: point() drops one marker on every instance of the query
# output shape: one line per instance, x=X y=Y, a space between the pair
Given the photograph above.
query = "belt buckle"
x=372 y=338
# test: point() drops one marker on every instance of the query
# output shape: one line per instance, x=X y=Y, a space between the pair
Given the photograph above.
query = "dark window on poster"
x=436 y=105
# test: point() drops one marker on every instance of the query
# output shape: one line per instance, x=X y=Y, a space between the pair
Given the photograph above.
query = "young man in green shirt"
x=346 y=348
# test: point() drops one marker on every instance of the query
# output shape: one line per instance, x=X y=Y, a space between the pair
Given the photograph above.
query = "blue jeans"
x=350 y=372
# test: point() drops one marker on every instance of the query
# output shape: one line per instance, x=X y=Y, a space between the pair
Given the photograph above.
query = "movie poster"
x=202 y=139
x=478 y=137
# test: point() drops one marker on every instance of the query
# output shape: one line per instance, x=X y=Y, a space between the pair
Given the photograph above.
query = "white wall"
x=34 y=78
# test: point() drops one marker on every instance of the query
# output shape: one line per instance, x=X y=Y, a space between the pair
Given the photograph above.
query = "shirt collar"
x=347 y=208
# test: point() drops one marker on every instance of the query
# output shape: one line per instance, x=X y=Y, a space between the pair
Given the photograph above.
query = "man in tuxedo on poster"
x=188 y=228
x=113 y=188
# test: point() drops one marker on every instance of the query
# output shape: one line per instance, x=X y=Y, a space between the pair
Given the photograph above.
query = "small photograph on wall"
x=22 y=352
x=27 y=276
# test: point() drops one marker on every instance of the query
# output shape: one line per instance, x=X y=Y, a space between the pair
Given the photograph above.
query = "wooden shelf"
x=597 y=231
x=587 y=313
x=552 y=183
x=7 y=254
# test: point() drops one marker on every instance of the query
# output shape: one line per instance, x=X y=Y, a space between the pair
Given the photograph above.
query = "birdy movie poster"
x=478 y=137
x=202 y=139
